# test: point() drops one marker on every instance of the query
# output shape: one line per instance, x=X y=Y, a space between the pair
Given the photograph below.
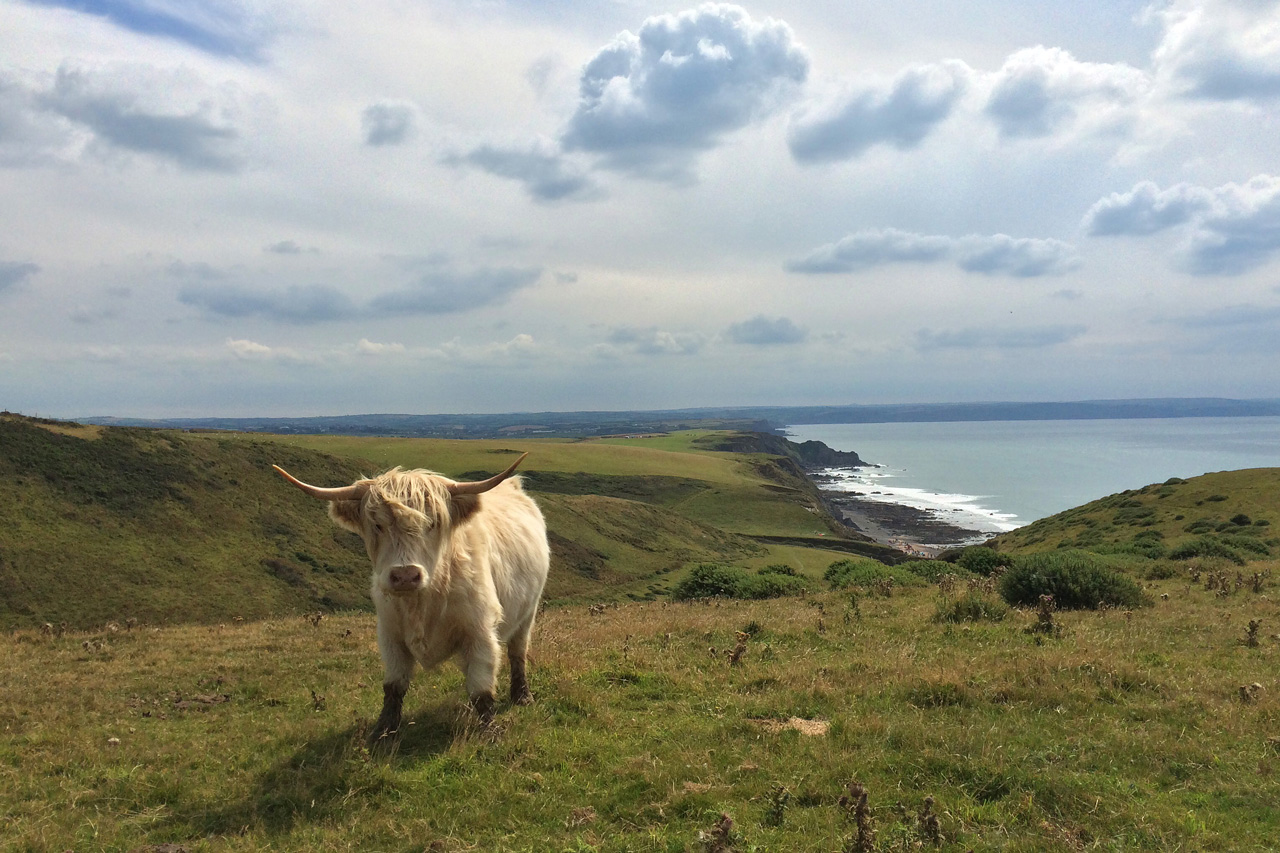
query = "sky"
x=265 y=208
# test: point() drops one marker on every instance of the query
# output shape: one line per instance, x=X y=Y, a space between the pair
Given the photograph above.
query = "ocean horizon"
x=994 y=476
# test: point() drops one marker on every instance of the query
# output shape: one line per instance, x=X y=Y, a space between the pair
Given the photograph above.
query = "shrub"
x=971 y=607
x=843 y=574
x=982 y=560
x=930 y=570
x=1076 y=580
x=778 y=569
x=770 y=585
x=715 y=580
x=1206 y=546
x=1241 y=520
x=1245 y=542
x=1147 y=548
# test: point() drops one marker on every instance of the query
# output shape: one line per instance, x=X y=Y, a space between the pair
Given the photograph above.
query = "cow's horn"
x=485 y=485
x=342 y=493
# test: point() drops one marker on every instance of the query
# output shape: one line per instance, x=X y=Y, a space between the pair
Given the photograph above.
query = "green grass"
x=1123 y=731
x=1158 y=518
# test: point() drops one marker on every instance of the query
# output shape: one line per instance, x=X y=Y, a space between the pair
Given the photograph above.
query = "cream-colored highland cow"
x=458 y=568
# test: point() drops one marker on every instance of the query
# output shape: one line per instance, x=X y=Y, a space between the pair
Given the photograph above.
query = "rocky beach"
x=907 y=528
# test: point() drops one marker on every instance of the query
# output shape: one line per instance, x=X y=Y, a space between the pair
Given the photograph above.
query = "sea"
x=994 y=476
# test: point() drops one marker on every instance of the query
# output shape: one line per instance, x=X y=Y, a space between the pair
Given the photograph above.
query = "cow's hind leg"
x=517 y=654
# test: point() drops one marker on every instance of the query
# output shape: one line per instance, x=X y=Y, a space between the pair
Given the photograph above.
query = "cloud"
x=368 y=347
x=651 y=340
x=649 y=103
x=866 y=249
x=289 y=247
x=1231 y=316
x=297 y=304
x=446 y=291
x=115 y=109
x=1040 y=90
x=1229 y=230
x=1022 y=257
x=998 y=254
x=540 y=167
x=388 y=123
x=901 y=114
x=247 y=350
x=1032 y=337
x=1146 y=209
x=234 y=29
x=14 y=273
x=1221 y=50
x=28 y=133
x=761 y=331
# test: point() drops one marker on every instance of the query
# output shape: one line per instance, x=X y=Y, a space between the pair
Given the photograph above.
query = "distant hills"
x=758 y=419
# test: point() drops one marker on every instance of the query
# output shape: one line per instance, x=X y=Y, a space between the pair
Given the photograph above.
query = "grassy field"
x=1122 y=731
x=1152 y=729
x=108 y=524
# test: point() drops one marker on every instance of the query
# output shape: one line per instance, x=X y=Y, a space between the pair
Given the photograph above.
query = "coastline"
x=920 y=532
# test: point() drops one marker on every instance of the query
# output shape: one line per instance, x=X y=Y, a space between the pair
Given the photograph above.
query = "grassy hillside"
x=111 y=524
x=1120 y=731
x=1233 y=514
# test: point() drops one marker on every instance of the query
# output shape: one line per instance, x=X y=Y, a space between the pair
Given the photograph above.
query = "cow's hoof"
x=383 y=739
x=525 y=698
x=483 y=705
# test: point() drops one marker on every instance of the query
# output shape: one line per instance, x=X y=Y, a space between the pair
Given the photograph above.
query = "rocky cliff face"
x=807 y=454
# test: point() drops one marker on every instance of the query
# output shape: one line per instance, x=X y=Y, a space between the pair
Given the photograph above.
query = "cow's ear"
x=463 y=507
x=346 y=514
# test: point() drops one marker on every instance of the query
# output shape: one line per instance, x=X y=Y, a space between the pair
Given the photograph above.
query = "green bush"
x=1206 y=546
x=982 y=560
x=778 y=569
x=933 y=570
x=715 y=580
x=1077 y=580
x=1147 y=548
x=1245 y=542
x=843 y=574
x=1162 y=571
x=972 y=607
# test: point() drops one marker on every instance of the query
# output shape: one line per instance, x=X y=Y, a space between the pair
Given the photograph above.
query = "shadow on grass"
x=324 y=778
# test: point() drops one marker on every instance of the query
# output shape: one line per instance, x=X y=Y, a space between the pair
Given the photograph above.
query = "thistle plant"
x=856 y=809
x=1251 y=633
x=779 y=799
x=929 y=825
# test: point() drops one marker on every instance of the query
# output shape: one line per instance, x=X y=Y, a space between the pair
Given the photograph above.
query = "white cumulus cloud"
x=650 y=102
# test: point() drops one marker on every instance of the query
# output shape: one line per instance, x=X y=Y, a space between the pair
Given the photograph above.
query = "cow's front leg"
x=481 y=667
x=398 y=664
x=388 y=725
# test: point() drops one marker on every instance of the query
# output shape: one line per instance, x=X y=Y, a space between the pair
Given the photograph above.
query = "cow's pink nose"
x=406 y=577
